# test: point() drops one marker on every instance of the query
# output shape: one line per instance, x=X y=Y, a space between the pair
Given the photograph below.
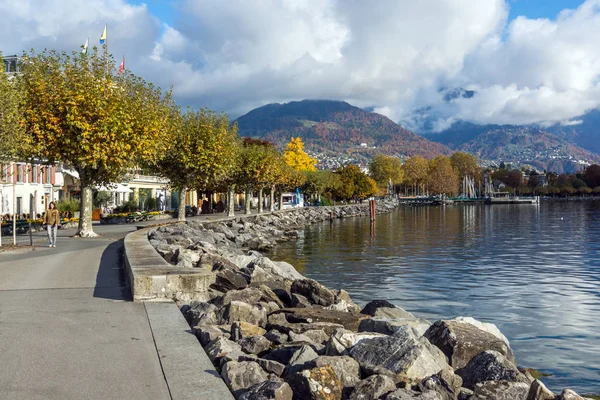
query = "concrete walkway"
x=68 y=329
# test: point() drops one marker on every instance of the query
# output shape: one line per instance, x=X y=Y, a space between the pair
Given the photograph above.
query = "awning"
x=71 y=172
x=117 y=188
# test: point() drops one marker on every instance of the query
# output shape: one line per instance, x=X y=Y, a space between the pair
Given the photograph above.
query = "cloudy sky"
x=529 y=61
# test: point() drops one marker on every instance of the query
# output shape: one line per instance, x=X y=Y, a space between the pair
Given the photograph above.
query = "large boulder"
x=229 y=279
x=385 y=309
x=247 y=295
x=240 y=311
x=346 y=368
x=309 y=315
x=241 y=329
x=283 y=353
x=500 y=390
x=277 y=337
x=280 y=269
x=343 y=340
x=539 y=391
x=314 y=292
x=373 y=387
x=445 y=383
x=255 y=344
x=300 y=360
x=407 y=394
x=389 y=326
x=223 y=349
x=199 y=313
x=404 y=356
x=208 y=333
x=489 y=366
x=242 y=375
x=320 y=383
x=268 y=390
x=269 y=366
x=568 y=394
x=462 y=339
x=279 y=322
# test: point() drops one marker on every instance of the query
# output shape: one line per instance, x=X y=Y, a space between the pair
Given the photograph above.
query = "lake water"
x=533 y=270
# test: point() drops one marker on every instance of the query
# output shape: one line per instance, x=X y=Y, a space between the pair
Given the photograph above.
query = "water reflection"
x=531 y=270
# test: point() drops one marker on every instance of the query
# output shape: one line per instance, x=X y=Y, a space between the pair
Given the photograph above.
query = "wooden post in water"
x=372 y=209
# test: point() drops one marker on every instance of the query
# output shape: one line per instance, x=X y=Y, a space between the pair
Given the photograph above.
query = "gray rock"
x=461 y=340
x=271 y=366
x=227 y=279
x=255 y=344
x=406 y=394
x=343 y=297
x=346 y=368
x=389 y=326
x=277 y=337
x=242 y=375
x=371 y=307
x=240 y=311
x=200 y=313
x=240 y=330
x=300 y=360
x=538 y=391
x=320 y=383
x=489 y=366
x=343 y=340
x=223 y=348
x=317 y=336
x=278 y=321
x=208 y=333
x=313 y=291
x=187 y=258
x=300 y=337
x=404 y=356
x=268 y=390
x=500 y=390
x=373 y=387
x=445 y=383
x=283 y=353
x=299 y=301
x=568 y=394
x=247 y=295
x=348 y=320
x=270 y=296
x=465 y=394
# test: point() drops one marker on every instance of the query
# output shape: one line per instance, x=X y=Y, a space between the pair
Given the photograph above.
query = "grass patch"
x=536 y=374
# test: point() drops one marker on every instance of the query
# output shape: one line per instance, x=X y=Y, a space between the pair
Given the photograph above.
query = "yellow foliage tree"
x=295 y=156
x=75 y=110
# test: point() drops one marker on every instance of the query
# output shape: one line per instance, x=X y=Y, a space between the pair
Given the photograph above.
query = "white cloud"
x=392 y=55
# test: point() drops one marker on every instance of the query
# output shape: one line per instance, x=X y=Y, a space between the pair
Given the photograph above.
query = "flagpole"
x=106 y=48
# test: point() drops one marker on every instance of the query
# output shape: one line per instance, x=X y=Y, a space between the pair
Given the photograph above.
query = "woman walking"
x=52 y=221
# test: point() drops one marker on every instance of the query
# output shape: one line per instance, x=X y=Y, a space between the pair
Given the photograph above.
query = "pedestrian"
x=52 y=222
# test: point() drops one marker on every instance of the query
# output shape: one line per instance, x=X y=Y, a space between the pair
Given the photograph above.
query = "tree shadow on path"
x=111 y=280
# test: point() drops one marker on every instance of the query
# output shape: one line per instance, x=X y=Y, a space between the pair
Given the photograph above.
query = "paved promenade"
x=68 y=329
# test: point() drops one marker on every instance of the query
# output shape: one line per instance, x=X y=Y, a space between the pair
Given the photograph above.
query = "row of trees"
x=441 y=175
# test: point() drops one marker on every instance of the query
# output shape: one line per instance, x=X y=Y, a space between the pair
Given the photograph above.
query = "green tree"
x=384 y=169
x=592 y=175
x=76 y=111
x=442 y=177
x=295 y=156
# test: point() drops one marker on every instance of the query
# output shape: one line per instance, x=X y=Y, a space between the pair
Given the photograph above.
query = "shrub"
x=68 y=205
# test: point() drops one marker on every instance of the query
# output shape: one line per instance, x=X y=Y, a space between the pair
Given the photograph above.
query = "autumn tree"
x=354 y=184
x=201 y=153
x=295 y=156
x=385 y=169
x=466 y=165
x=442 y=178
x=256 y=168
x=75 y=110
x=415 y=172
x=11 y=129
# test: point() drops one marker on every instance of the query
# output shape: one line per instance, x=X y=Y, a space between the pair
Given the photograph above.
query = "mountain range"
x=331 y=128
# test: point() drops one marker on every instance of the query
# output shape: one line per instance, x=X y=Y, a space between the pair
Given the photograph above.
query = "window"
x=48 y=175
x=35 y=173
x=20 y=172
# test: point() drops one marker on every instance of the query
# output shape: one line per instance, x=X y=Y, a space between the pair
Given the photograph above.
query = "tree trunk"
x=85 y=213
x=181 y=211
x=281 y=200
x=248 y=202
x=211 y=198
x=260 y=200
x=231 y=201
x=272 y=199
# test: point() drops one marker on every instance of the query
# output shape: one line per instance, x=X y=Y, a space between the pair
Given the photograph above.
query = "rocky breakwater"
x=274 y=334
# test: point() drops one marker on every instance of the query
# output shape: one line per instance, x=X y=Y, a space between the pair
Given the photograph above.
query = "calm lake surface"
x=533 y=270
